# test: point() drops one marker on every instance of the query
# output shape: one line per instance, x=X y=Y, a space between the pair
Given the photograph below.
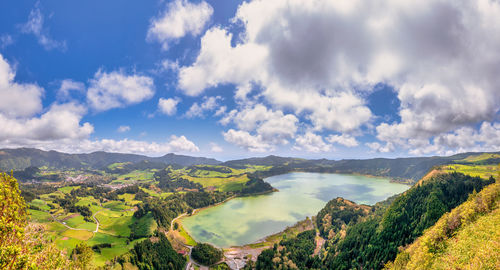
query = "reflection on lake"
x=245 y=220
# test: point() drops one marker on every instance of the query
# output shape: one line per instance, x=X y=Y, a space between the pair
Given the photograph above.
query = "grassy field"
x=483 y=171
x=116 y=221
x=137 y=176
x=188 y=239
x=232 y=183
x=39 y=216
x=67 y=189
x=477 y=158
x=114 y=226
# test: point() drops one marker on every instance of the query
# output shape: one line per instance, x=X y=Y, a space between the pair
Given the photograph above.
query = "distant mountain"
x=399 y=168
x=412 y=168
x=21 y=158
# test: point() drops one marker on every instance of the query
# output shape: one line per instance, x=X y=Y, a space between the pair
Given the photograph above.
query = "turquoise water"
x=245 y=220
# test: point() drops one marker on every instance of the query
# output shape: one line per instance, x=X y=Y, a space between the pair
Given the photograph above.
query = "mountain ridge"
x=407 y=168
x=21 y=158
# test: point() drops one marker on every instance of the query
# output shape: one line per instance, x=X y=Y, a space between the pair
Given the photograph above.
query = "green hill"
x=465 y=238
x=21 y=158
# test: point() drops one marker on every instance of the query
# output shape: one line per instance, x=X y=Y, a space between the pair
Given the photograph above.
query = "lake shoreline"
x=265 y=237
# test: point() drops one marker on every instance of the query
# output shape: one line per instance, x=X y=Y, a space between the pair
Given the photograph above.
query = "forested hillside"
x=465 y=238
x=360 y=237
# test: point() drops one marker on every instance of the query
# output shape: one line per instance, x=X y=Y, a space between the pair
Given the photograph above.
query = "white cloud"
x=252 y=143
x=465 y=139
x=441 y=57
x=180 y=18
x=122 y=129
x=219 y=63
x=61 y=121
x=215 y=148
x=377 y=147
x=67 y=86
x=116 y=89
x=168 y=106
x=209 y=104
x=182 y=144
x=34 y=26
x=311 y=142
x=273 y=127
x=344 y=139
x=17 y=99
x=175 y=144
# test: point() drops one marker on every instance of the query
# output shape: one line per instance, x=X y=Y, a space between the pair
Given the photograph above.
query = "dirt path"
x=96 y=220
x=76 y=229
x=172 y=222
x=64 y=223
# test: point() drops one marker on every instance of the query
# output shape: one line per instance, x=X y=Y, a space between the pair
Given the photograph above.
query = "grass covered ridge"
x=466 y=238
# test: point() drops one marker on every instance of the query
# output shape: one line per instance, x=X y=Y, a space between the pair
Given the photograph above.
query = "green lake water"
x=245 y=220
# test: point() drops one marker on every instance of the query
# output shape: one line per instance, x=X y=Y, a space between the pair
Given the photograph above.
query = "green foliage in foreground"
x=465 y=238
x=206 y=254
x=22 y=245
x=158 y=255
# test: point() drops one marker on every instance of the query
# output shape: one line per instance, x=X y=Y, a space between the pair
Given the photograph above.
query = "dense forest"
x=206 y=254
x=171 y=183
x=294 y=253
x=157 y=254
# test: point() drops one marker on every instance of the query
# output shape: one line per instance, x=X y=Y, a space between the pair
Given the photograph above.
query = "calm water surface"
x=245 y=220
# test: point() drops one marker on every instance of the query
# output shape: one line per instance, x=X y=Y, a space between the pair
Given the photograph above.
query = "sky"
x=233 y=79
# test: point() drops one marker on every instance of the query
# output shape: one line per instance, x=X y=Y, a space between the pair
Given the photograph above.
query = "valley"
x=252 y=212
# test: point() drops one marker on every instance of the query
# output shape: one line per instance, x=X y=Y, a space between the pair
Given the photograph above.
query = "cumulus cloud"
x=218 y=63
x=34 y=26
x=273 y=127
x=67 y=86
x=381 y=148
x=174 y=144
x=180 y=18
x=465 y=139
x=25 y=123
x=59 y=122
x=116 y=89
x=168 y=106
x=252 y=143
x=122 y=129
x=344 y=139
x=311 y=142
x=319 y=57
x=17 y=99
x=208 y=104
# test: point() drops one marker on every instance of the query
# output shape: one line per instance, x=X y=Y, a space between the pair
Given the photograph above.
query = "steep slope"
x=466 y=238
x=372 y=243
x=21 y=158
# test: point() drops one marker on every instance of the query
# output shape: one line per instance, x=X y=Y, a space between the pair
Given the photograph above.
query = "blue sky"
x=229 y=79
